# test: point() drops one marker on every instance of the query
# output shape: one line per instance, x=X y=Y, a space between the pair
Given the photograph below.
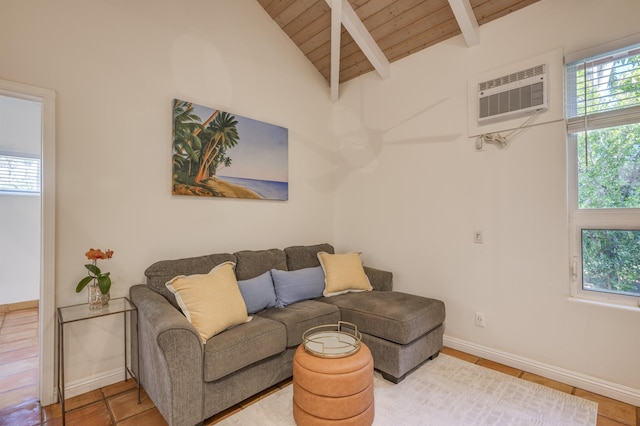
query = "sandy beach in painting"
x=226 y=189
x=215 y=188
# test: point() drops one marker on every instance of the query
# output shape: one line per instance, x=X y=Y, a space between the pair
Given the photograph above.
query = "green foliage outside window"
x=610 y=261
x=609 y=168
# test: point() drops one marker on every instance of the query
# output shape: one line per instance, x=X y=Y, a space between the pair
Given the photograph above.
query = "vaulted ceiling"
x=398 y=27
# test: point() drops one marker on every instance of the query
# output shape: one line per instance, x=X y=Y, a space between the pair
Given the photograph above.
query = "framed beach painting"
x=220 y=154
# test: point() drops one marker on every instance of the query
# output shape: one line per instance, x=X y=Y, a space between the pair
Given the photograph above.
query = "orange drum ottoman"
x=333 y=391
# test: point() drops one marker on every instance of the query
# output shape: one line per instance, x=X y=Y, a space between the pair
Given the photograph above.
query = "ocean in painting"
x=267 y=189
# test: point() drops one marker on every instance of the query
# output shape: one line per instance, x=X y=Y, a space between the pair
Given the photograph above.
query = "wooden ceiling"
x=399 y=27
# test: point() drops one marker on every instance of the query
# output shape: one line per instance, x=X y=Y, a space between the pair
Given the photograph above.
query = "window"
x=603 y=123
x=19 y=173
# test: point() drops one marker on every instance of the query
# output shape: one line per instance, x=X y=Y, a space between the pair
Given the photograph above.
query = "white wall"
x=413 y=207
x=116 y=67
x=20 y=131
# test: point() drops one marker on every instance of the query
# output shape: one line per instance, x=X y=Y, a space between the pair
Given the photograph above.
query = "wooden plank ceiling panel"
x=294 y=10
x=405 y=21
x=278 y=6
x=430 y=18
x=322 y=23
x=403 y=13
x=316 y=40
x=399 y=27
x=489 y=10
x=301 y=22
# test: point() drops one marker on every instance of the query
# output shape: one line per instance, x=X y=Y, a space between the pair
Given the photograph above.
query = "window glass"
x=609 y=168
x=610 y=261
x=19 y=174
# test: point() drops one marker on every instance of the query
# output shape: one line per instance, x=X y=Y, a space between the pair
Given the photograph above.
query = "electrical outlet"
x=477 y=236
x=480 y=319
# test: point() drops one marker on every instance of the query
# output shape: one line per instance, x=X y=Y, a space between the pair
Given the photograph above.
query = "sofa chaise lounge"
x=189 y=380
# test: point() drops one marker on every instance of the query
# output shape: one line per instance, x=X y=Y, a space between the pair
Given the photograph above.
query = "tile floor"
x=117 y=404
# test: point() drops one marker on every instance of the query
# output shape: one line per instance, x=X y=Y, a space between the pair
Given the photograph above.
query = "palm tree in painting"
x=221 y=161
x=186 y=143
x=220 y=135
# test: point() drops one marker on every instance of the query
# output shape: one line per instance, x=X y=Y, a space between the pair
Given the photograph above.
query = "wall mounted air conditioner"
x=520 y=93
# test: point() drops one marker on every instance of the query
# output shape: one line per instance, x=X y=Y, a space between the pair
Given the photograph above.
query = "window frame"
x=591 y=219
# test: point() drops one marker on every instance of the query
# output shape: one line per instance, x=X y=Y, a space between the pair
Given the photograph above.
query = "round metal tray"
x=332 y=340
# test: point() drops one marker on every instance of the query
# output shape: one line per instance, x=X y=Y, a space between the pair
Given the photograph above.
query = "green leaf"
x=93 y=269
x=104 y=282
x=83 y=283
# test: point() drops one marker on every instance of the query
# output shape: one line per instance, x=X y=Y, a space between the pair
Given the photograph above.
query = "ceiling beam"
x=336 y=30
x=363 y=39
x=467 y=21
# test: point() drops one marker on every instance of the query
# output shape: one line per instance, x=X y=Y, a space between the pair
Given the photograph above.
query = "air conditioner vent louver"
x=511 y=78
x=519 y=93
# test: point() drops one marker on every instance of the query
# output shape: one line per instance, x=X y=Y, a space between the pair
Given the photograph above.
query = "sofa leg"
x=434 y=356
x=395 y=380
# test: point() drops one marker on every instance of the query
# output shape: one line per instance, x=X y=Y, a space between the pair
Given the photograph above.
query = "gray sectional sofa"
x=190 y=381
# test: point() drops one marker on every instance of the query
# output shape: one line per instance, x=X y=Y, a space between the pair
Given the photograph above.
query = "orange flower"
x=94 y=254
x=99 y=278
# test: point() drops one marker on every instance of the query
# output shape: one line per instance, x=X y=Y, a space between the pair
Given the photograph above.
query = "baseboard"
x=18 y=306
x=97 y=381
x=582 y=381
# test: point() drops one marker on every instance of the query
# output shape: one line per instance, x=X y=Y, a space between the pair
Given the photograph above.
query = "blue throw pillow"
x=258 y=293
x=294 y=286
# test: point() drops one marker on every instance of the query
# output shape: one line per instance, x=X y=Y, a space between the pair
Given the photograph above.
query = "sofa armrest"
x=380 y=280
x=171 y=357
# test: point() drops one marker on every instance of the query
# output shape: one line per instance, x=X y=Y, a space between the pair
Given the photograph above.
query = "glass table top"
x=81 y=312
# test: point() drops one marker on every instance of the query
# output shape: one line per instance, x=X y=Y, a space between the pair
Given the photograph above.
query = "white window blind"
x=19 y=173
x=603 y=90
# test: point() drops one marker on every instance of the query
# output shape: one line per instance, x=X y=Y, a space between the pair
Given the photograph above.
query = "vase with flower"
x=99 y=283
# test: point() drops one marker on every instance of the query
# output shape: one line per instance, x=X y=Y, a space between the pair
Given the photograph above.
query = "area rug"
x=446 y=392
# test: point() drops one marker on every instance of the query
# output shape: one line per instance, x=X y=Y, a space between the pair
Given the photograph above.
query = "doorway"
x=46 y=323
x=20 y=148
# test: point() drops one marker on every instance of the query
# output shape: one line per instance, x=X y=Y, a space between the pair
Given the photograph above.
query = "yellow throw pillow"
x=343 y=273
x=211 y=302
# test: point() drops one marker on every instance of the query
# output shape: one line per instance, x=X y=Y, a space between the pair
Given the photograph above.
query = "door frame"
x=47 y=304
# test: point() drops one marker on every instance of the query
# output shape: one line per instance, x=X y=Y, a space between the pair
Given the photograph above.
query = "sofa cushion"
x=295 y=286
x=251 y=263
x=241 y=346
x=299 y=317
x=343 y=273
x=211 y=302
x=394 y=316
x=258 y=292
x=300 y=257
x=160 y=272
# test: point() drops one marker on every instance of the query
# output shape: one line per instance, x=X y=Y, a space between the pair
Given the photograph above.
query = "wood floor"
x=117 y=404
